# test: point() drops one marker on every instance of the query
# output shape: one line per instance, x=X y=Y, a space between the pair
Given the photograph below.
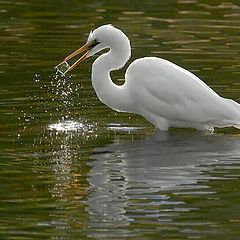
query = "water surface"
x=71 y=168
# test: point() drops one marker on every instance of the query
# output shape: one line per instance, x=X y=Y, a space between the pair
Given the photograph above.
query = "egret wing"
x=169 y=91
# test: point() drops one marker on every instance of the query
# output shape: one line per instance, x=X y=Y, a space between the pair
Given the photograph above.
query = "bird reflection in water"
x=135 y=180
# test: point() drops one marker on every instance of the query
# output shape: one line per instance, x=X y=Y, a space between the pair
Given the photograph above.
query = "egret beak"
x=85 y=48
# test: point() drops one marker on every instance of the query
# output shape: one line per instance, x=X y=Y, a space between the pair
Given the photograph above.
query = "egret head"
x=100 y=39
x=105 y=36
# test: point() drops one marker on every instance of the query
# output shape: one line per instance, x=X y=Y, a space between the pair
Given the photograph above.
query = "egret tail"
x=234 y=113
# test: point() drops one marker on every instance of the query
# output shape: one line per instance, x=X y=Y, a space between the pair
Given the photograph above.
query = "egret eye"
x=94 y=43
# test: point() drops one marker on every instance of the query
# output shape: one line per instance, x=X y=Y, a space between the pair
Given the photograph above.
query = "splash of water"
x=55 y=106
x=65 y=92
x=71 y=126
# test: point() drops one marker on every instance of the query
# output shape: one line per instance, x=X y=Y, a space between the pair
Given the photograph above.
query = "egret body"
x=162 y=92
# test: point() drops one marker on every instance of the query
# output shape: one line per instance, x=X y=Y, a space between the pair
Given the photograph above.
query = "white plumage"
x=162 y=92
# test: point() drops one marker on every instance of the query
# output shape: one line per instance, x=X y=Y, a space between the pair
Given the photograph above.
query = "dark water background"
x=71 y=168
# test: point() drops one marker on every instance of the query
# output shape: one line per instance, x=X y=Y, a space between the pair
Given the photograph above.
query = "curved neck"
x=114 y=96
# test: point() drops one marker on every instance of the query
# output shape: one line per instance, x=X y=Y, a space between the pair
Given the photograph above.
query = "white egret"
x=162 y=92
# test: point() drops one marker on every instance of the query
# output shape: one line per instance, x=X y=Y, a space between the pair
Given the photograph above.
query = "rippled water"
x=177 y=192
x=70 y=168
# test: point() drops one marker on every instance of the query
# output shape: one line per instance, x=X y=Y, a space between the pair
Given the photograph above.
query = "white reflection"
x=132 y=179
x=120 y=128
x=71 y=126
x=67 y=138
x=61 y=157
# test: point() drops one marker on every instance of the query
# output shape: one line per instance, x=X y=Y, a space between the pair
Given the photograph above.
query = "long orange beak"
x=85 y=48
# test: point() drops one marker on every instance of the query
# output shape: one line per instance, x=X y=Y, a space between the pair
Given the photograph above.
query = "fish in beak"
x=84 y=49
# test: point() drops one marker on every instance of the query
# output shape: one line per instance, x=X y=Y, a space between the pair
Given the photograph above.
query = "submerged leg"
x=205 y=128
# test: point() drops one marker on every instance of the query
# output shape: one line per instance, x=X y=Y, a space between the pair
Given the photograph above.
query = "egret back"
x=164 y=89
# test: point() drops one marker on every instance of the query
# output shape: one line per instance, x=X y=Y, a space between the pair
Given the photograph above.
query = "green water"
x=71 y=168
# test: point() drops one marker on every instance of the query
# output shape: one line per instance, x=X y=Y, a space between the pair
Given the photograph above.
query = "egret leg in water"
x=162 y=92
